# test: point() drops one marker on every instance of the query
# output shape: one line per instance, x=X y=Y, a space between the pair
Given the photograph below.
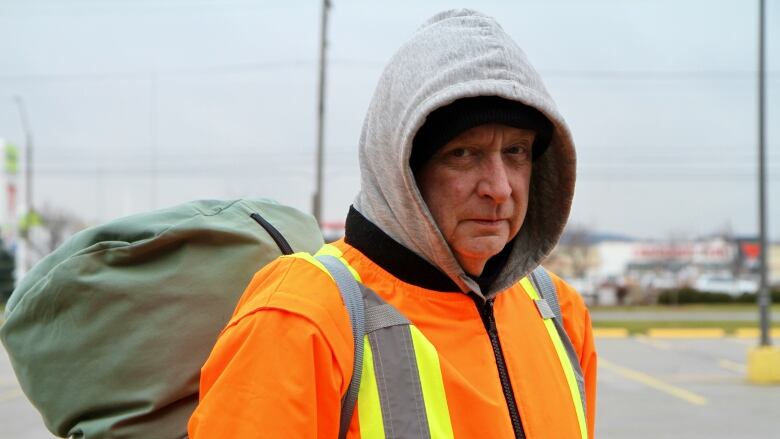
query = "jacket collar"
x=393 y=257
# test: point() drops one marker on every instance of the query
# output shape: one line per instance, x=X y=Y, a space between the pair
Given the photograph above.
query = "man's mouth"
x=488 y=222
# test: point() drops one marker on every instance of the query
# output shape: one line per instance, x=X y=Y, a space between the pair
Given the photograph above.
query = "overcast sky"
x=141 y=104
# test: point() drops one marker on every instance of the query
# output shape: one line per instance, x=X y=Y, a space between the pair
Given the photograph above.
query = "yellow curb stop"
x=763 y=365
x=686 y=333
x=755 y=332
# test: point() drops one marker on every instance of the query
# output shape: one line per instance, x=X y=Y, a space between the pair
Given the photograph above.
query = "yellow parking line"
x=610 y=332
x=654 y=383
x=658 y=344
x=732 y=365
x=686 y=333
x=712 y=378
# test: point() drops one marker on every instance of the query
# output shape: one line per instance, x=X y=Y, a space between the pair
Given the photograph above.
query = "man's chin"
x=484 y=249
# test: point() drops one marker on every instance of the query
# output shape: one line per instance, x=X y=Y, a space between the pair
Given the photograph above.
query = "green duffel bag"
x=108 y=333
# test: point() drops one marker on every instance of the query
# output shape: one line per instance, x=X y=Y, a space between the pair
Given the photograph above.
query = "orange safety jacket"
x=284 y=361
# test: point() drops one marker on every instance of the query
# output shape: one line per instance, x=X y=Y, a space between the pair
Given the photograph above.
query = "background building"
x=610 y=271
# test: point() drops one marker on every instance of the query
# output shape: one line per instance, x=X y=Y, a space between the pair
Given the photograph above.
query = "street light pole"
x=763 y=365
x=28 y=211
x=763 y=296
x=317 y=205
x=28 y=153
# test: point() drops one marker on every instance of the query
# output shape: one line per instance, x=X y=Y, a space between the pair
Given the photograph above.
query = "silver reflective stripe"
x=352 y=295
x=370 y=298
x=544 y=308
x=546 y=289
x=398 y=382
x=383 y=316
x=395 y=364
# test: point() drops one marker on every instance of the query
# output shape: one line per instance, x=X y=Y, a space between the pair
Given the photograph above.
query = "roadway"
x=653 y=388
x=649 y=388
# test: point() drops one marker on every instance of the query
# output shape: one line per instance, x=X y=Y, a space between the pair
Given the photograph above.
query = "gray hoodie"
x=458 y=54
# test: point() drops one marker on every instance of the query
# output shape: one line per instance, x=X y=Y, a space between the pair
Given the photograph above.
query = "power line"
x=226 y=69
x=656 y=75
x=163 y=73
x=233 y=166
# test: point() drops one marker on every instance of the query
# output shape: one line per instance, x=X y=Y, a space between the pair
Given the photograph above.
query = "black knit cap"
x=445 y=123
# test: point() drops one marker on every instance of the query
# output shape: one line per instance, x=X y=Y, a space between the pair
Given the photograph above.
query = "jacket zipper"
x=488 y=319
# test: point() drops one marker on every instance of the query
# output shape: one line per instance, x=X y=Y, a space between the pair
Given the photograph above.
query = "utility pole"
x=317 y=205
x=23 y=246
x=28 y=153
x=763 y=291
x=764 y=360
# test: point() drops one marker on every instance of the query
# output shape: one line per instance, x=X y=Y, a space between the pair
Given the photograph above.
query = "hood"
x=458 y=54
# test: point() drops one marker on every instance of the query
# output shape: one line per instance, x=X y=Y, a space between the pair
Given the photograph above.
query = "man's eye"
x=520 y=150
x=458 y=152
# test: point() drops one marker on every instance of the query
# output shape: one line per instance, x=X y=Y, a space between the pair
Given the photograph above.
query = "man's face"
x=476 y=187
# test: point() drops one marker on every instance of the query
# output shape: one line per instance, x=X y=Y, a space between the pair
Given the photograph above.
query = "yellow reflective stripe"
x=326 y=249
x=432 y=386
x=311 y=259
x=369 y=409
x=568 y=370
x=329 y=249
x=563 y=357
x=529 y=288
x=332 y=250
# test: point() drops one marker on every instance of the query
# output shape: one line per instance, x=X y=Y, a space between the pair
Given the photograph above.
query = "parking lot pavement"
x=649 y=388
x=681 y=388
x=18 y=417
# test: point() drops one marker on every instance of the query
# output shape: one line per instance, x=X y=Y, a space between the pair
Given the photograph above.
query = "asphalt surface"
x=18 y=418
x=648 y=389
x=682 y=388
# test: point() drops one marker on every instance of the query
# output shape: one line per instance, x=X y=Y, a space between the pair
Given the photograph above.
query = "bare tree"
x=51 y=228
x=577 y=244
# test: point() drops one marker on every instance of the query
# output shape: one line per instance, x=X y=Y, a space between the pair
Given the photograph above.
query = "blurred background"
x=113 y=107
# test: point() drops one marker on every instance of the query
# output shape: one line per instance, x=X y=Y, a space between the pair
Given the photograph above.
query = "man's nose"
x=494 y=181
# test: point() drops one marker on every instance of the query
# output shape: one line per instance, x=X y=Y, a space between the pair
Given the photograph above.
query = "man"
x=467 y=179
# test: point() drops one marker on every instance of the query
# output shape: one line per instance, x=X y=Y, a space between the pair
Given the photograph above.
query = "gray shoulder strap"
x=546 y=289
x=353 y=300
